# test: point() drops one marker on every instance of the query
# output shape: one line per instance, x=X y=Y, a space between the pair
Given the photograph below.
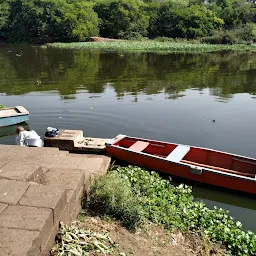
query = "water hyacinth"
x=173 y=207
x=154 y=46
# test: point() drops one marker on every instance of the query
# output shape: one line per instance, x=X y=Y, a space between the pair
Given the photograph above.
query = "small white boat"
x=13 y=115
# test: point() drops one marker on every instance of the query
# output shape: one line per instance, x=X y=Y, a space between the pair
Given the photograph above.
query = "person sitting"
x=28 y=138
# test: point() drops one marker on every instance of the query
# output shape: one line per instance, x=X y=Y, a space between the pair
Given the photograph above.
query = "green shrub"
x=245 y=34
x=111 y=195
x=174 y=208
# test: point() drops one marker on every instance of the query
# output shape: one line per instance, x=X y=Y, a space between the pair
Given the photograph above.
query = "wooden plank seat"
x=139 y=146
x=220 y=169
x=178 y=153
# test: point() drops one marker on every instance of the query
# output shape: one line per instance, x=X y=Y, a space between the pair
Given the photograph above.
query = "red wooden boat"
x=194 y=163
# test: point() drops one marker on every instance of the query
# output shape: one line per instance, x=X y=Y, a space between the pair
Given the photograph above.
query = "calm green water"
x=206 y=100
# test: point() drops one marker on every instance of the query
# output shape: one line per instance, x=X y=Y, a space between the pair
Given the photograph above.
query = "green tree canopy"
x=122 y=18
x=189 y=22
x=233 y=12
x=75 y=20
x=50 y=20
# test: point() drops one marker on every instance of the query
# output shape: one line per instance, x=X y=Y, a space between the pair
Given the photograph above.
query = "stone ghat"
x=73 y=140
x=39 y=188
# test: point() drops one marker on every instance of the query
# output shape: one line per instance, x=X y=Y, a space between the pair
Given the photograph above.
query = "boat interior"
x=193 y=156
x=13 y=111
x=8 y=112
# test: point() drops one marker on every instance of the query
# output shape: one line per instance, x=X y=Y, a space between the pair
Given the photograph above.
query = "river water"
x=204 y=100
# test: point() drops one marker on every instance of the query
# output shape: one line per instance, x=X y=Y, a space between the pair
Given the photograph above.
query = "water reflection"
x=11 y=130
x=69 y=71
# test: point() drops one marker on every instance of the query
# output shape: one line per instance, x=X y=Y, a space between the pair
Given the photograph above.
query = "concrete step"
x=39 y=187
x=25 y=218
x=26 y=154
x=73 y=181
x=33 y=211
x=23 y=171
x=17 y=242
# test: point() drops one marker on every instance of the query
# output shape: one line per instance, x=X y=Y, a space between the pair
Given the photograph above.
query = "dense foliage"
x=75 y=20
x=47 y=20
x=142 y=196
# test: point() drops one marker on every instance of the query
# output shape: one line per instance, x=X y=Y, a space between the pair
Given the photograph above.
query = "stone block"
x=69 y=178
x=52 y=161
x=11 y=191
x=2 y=163
x=106 y=164
x=75 y=212
x=87 y=181
x=43 y=150
x=28 y=218
x=71 y=200
x=80 y=196
x=90 y=163
x=16 y=242
x=51 y=197
x=74 y=202
x=7 y=156
x=91 y=145
x=65 y=216
x=18 y=154
x=6 y=148
x=70 y=161
x=15 y=170
x=45 y=250
x=65 y=140
x=2 y=207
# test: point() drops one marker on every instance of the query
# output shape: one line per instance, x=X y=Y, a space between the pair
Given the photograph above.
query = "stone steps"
x=39 y=189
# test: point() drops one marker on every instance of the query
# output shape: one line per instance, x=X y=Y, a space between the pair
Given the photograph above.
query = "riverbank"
x=154 y=46
x=136 y=197
x=109 y=237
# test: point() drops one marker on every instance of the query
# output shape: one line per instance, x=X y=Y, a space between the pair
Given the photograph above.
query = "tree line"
x=214 y=21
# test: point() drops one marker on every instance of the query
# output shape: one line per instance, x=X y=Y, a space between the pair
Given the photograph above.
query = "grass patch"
x=112 y=195
x=154 y=46
x=141 y=196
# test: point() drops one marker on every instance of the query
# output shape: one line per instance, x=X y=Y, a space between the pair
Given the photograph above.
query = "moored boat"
x=13 y=115
x=194 y=163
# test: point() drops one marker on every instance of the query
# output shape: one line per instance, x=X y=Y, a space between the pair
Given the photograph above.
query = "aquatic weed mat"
x=153 y=46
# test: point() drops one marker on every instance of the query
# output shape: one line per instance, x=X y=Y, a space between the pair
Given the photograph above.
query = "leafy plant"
x=172 y=207
x=155 y=46
x=111 y=195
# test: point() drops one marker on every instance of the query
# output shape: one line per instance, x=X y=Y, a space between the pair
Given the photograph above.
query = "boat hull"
x=7 y=121
x=13 y=115
x=202 y=175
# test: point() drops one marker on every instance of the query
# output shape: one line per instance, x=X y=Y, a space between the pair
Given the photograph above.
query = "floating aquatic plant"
x=154 y=46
